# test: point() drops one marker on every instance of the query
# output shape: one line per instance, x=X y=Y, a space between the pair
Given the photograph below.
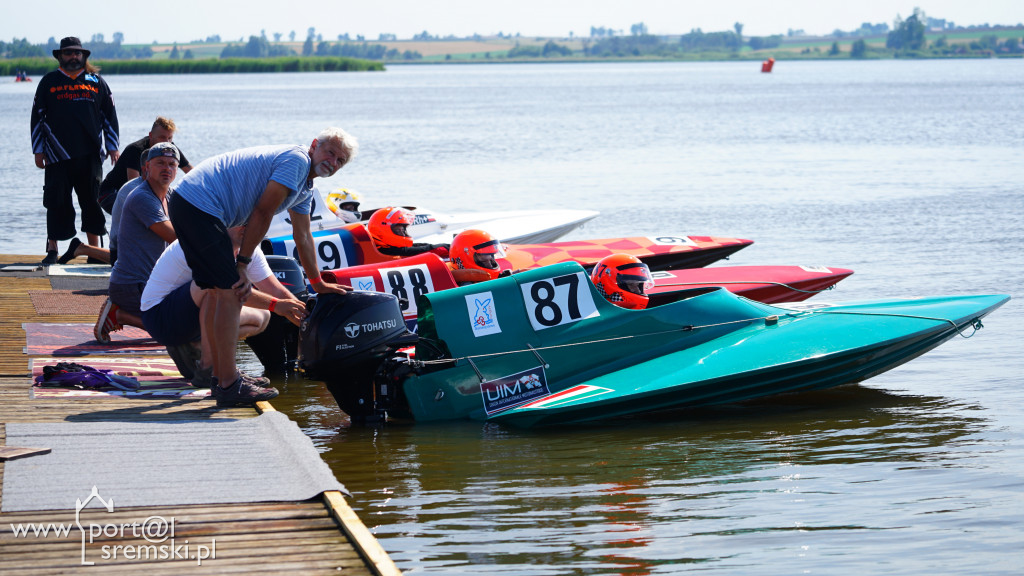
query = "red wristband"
x=316 y=280
x=273 y=302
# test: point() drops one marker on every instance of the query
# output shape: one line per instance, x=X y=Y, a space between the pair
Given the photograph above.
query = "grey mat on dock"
x=263 y=459
x=79 y=276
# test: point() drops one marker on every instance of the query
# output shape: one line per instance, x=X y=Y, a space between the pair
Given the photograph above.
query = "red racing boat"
x=658 y=252
x=350 y=245
x=768 y=284
x=409 y=278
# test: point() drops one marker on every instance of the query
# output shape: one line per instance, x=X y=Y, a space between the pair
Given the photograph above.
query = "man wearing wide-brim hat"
x=74 y=126
x=70 y=43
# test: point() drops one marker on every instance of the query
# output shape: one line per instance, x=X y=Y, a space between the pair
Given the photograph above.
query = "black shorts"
x=175 y=320
x=204 y=240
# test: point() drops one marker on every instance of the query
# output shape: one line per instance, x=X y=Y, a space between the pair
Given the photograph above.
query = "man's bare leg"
x=93 y=252
x=252 y=321
x=202 y=302
x=128 y=319
x=221 y=323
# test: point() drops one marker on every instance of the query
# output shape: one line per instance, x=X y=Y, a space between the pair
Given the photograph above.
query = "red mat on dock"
x=54 y=302
x=159 y=378
x=77 y=340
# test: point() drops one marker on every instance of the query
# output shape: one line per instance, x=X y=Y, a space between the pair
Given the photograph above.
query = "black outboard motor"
x=289 y=273
x=277 y=346
x=344 y=340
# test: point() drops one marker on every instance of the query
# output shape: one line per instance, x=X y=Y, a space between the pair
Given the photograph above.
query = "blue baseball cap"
x=163 y=149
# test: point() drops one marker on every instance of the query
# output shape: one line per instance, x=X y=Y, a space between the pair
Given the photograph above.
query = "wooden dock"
x=322 y=535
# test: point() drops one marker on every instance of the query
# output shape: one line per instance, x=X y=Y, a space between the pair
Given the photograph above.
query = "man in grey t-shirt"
x=144 y=230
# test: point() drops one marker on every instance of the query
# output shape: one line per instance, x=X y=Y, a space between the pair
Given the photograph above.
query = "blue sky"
x=187 y=20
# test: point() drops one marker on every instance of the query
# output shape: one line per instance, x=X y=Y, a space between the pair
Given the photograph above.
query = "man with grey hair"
x=247 y=187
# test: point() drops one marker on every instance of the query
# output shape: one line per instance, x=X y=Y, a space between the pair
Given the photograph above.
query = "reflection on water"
x=733 y=485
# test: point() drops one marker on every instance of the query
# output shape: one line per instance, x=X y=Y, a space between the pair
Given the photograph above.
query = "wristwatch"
x=243 y=259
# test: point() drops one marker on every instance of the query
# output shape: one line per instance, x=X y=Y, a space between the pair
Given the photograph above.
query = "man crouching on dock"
x=247 y=187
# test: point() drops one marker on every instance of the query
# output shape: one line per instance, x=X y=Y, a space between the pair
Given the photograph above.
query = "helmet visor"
x=400 y=229
x=635 y=278
x=490 y=247
x=349 y=212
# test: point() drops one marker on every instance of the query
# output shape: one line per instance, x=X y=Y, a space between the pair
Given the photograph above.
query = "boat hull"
x=818 y=361
x=515 y=357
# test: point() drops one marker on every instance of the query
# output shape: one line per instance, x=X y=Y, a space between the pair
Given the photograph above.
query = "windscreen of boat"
x=662 y=298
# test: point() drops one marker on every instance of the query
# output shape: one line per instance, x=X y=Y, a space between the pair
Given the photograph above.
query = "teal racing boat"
x=543 y=347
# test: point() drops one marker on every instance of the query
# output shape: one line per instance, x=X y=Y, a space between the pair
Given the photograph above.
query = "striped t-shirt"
x=228 y=186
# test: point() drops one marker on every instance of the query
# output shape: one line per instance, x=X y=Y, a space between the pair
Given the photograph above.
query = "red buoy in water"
x=766 y=66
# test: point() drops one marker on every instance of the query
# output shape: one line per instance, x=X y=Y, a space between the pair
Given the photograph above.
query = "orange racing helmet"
x=476 y=250
x=389 y=227
x=623 y=280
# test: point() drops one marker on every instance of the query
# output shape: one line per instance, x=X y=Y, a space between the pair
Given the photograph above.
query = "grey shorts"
x=128 y=297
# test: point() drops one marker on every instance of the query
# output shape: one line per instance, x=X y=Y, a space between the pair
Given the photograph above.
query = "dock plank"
x=319 y=536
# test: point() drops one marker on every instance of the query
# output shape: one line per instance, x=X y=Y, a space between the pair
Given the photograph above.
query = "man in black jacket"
x=74 y=126
x=129 y=164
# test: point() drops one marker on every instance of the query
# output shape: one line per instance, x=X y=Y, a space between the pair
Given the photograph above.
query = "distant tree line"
x=640 y=43
x=256 y=47
x=866 y=29
x=365 y=50
x=20 y=49
x=548 y=50
x=907 y=39
x=908 y=35
x=100 y=49
x=765 y=42
x=699 y=41
x=113 y=50
x=260 y=47
x=177 y=54
x=293 y=63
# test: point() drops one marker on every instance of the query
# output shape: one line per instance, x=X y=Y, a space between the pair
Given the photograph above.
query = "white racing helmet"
x=345 y=204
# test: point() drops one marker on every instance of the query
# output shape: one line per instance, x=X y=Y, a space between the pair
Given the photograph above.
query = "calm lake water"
x=910 y=173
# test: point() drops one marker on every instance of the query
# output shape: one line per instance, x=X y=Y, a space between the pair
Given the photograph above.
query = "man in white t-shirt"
x=172 y=308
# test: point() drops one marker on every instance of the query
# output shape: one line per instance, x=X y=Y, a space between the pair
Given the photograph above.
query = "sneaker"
x=106 y=323
x=51 y=258
x=240 y=393
x=257 y=380
x=69 y=254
